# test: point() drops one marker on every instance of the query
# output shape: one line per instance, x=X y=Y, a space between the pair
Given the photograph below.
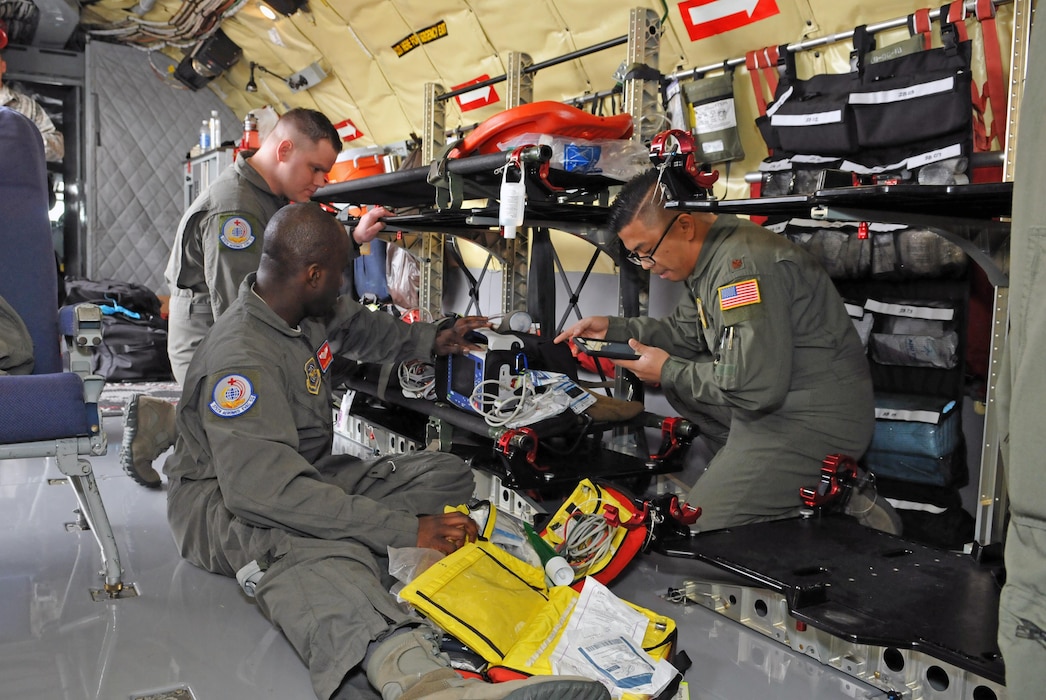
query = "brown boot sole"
x=145 y=475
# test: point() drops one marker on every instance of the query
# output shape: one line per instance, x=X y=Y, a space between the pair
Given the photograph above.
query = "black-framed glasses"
x=640 y=258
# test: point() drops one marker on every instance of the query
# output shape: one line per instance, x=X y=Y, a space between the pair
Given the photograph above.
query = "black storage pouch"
x=914 y=98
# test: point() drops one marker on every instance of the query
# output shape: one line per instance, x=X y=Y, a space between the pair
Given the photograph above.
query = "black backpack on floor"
x=132 y=349
x=129 y=295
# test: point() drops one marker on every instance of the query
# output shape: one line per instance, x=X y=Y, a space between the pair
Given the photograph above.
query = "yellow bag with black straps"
x=481 y=595
x=500 y=608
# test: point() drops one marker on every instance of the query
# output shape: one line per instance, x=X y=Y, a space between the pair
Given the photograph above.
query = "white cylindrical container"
x=216 y=129
x=558 y=572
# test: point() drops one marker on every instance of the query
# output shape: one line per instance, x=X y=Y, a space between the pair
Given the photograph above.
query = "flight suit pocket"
x=728 y=357
x=1035 y=254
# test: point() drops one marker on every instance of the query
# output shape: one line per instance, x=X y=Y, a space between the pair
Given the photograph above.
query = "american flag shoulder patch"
x=739 y=294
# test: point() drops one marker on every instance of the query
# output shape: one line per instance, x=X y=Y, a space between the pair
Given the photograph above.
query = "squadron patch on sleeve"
x=235 y=232
x=233 y=395
x=325 y=356
x=738 y=294
x=313 y=376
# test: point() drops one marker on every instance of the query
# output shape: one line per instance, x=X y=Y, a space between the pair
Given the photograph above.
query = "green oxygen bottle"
x=557 y=570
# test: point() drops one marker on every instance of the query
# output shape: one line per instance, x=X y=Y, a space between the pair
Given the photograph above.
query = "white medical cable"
x=503 y=410
x=417 y=379
x=587 y=541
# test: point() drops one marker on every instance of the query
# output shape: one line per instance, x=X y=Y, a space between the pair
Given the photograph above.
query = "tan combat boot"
x=869 y=508
x=409 y=666
x=148 y=430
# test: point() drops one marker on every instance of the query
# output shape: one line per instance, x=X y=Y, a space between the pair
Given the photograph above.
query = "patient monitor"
x=499 y=358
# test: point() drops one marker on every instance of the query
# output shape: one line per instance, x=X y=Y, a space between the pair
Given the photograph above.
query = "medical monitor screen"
x=464 y=372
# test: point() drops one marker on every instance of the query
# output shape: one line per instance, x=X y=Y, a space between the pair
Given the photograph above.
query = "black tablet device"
x=614 y=349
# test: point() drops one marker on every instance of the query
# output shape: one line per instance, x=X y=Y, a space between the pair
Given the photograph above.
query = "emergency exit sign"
x=480 y=97
x=705 y=18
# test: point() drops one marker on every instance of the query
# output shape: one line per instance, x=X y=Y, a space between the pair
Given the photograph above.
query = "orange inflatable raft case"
x=349 y=168
x=545 y=117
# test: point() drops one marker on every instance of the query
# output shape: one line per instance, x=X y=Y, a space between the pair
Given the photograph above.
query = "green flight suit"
x=16 y=347
x=252 y=478
x=1021 y=387
x=767 y=361
x=219 y=242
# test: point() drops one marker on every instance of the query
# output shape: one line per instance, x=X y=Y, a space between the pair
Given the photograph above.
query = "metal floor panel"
x=730 y=661
x=187 y=629
x=191 y=634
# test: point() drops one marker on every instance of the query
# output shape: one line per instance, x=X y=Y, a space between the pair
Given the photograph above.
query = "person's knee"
x=442 y=464
x=1022 y=628
x=446 y=462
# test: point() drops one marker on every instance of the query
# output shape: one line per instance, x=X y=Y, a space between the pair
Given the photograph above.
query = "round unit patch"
x=233 y=395
x=236 y=233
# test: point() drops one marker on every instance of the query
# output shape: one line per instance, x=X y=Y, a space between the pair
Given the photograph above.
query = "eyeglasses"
x=640 y=258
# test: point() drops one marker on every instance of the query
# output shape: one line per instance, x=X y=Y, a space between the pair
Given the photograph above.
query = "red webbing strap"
x=919 y=23
x=994 y=90
x=764 y=60
x=757 y=85
x=771 y=54
x=957 y=16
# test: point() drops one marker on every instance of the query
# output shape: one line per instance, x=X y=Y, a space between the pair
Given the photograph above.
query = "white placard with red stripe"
x=480 y=97
x=705 y=18
x=347 y=130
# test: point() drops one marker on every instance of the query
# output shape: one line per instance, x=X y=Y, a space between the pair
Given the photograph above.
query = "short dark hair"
x=299 y=235
x=635 y=201
x=313 y=125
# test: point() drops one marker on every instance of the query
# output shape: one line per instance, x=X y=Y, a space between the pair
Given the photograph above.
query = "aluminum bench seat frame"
x=51 y=412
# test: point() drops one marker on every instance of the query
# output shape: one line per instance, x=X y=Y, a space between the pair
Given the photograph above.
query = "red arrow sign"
x=480 y=97
x=347 y=130
x=705 y=18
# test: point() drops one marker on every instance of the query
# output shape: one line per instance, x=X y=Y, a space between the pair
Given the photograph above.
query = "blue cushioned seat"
x=51 y=412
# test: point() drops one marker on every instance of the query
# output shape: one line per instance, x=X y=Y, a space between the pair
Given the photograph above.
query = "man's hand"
x=589 y=327
x=451 y=341
x=649 y=365
x=370 y=225
x=447 y=532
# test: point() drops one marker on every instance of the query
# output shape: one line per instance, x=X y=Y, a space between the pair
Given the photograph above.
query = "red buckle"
x=515 y=160
x=670 y=441
x=838 y=472
x=683 y=512
x=515 y=439
x=636 y=520
x=675 y=143
x=670 y=142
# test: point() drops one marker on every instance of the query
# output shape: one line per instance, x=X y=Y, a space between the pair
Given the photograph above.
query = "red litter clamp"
x=675 y=149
